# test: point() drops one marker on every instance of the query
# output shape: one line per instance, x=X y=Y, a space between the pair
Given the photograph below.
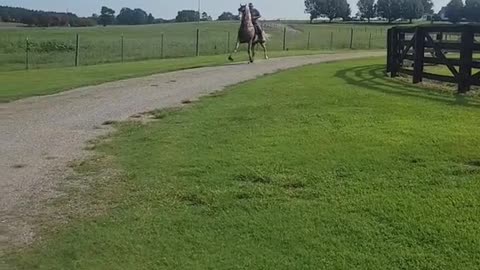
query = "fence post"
x=418 y=65
x=466 y=59
x=351 y=39
x=197 y=47
x=308 y=41
x=27 y=52
x=370 y=41
x=122 y=48
x=162 y=44
x=331 y=41
x=285 y=38
x=77 y=50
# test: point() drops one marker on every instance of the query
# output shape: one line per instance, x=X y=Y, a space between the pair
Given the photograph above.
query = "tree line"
x=42 y=18
x=126 y=16
x=392 y=10
x=457 y=11
x=138 y=16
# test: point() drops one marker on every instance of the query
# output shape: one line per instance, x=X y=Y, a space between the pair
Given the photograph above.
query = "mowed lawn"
x=324 y=167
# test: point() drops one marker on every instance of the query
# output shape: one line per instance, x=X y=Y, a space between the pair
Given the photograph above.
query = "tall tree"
x=428 y=6
x=367 y=9
x=472 y=10
x=455 y=11
x=129 y=16
x=389 y=9
x=187 y=16
x=205 y=17
x=312 y=7
x=412 y=9
x=107 y=16
x=150 y=19
x=228 y=16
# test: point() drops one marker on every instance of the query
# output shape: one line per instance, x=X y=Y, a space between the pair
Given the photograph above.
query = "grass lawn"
x=323 y=167
x=21 y=84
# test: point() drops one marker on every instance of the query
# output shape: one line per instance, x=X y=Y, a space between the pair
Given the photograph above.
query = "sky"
x=270 y=9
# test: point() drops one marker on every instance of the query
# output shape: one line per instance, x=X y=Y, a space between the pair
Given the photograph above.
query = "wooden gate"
x=426 y=44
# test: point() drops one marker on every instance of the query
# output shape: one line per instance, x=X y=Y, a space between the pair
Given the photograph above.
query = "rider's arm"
x=257 y=15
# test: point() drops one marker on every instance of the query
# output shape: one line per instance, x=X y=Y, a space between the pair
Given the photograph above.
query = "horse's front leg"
x=250 y=45
x=234 y=51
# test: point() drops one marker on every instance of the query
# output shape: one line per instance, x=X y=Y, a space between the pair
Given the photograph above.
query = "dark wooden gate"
x=427 y=44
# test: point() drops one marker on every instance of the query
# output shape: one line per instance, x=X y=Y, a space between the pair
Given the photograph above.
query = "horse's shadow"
x=373 y=77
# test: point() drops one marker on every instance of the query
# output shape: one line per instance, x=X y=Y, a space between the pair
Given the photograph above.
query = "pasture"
x=323 y=167
x=56 y=47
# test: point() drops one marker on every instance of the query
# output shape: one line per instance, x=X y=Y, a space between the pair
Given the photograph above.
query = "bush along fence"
x=83 y=50
x=452 y=46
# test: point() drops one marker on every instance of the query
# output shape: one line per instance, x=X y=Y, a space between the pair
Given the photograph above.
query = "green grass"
x=324 y=167
x=103 y=44
x=20 y=84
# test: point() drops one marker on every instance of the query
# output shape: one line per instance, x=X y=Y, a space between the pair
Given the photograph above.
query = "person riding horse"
x=250 y=32
x=255 y=17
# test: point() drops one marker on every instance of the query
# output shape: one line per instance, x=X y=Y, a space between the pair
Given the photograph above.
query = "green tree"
x=187 y=16
x=206 y=17
x=412 y=9
x=129 y=16
x=428 y=6
x=389 y=9
x=472 y=10
x=455 y=11
x=312 y=7
x=150 y=19
x=107 y=16
x=367 y=9
x=228 y=16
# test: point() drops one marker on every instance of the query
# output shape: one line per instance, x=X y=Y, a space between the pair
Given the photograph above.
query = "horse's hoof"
x=266 y=58
x=230 y=58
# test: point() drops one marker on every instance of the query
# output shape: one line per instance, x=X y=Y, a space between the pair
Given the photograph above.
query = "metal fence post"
x=285 y=38
x=77 y=50
x=197 y=47
x=162 y=44
x=123 y=48
x=370 y=41
x=351 y=39
x=27 y=51
x=308 y=41
x=331 y=41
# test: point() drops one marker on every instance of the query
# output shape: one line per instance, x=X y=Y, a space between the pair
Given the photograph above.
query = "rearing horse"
x=247 y=34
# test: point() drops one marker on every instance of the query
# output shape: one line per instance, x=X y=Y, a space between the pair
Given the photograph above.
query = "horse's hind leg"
x=234 y=51
x=253 y=50
x=264 y=49
x=250 y=45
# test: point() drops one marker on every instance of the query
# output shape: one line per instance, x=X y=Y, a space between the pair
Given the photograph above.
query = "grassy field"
x=55 y=47
x=21 y=84
x=324 y=167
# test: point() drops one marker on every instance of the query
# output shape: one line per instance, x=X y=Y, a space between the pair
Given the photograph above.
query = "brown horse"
x=247 y=34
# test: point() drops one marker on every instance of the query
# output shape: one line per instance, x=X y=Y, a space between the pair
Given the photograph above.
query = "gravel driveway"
x=40 y=136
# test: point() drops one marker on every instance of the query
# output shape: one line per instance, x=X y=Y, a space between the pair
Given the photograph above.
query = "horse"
x=247 y=34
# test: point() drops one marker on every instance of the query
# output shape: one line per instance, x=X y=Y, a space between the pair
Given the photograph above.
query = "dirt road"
x=40 y=136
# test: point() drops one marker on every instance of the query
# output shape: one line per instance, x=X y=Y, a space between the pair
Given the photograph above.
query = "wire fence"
x=82 y=49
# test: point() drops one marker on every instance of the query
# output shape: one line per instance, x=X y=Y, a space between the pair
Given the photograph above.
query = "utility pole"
x=199 y=10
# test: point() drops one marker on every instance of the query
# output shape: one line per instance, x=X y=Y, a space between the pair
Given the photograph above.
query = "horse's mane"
x=247 y=17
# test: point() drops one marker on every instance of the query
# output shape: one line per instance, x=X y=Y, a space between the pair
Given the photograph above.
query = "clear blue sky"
x=271 y=9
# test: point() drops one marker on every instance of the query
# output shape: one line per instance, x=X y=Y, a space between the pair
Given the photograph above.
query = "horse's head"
x=242 y=9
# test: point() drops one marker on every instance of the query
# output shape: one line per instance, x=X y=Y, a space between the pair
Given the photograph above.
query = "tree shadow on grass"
x=373 y=77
